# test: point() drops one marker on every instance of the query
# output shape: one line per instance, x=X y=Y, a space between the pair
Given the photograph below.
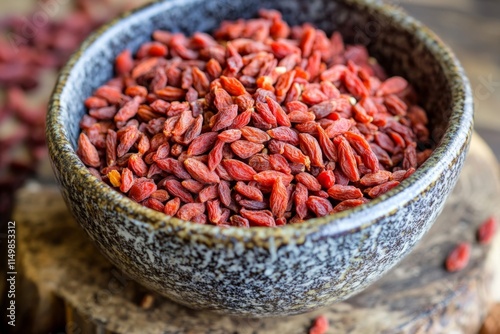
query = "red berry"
x=320 y=325
x=487 y=230
x=458 y=257
x=326 y=179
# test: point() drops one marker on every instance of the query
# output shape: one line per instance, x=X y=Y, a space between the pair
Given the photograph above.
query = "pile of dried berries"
x=261 y=124
x=31 y=46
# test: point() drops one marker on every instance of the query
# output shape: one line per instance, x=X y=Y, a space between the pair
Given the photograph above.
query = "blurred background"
x=37 y=37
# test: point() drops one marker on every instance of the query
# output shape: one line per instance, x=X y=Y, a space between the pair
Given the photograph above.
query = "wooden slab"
x=62 y=267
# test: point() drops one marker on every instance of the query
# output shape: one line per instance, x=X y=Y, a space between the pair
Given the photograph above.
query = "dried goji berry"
x=320 y=325
x=458 y=258
x=487 y=230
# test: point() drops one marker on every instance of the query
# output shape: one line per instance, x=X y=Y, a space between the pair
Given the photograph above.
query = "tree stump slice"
x=74 y=282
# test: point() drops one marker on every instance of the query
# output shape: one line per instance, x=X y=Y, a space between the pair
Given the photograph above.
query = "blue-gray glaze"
x=262 y=271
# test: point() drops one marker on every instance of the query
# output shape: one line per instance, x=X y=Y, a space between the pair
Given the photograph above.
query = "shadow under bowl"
x=262 y=271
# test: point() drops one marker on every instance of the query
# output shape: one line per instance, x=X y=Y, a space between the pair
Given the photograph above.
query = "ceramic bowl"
x=263 y=271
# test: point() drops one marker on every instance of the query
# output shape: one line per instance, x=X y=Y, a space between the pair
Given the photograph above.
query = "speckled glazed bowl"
x=263 y=271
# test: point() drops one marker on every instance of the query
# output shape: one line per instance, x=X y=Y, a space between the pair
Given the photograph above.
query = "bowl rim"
x=451 y=143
